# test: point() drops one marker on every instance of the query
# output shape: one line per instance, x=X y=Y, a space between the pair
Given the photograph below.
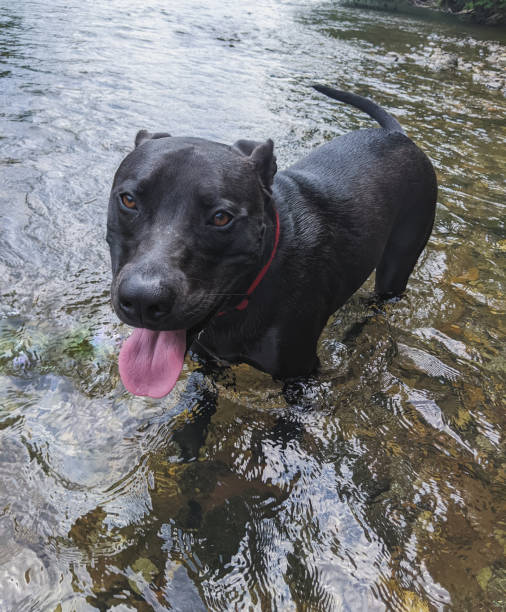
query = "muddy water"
x=381 y=485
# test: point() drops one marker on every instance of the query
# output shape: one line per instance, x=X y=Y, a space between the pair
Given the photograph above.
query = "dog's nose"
x=143 y=301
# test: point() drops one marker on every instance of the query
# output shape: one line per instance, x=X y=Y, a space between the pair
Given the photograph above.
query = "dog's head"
x=185 y=229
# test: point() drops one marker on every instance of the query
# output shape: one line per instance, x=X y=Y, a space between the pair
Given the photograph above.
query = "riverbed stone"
x=441 y=60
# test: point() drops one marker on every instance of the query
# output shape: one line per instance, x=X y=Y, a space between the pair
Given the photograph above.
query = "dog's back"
x=369 y=195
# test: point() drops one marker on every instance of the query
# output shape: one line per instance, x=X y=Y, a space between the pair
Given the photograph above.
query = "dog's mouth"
x=150 y=362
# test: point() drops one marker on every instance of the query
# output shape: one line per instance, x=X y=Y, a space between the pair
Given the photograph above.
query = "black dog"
x=211 y=248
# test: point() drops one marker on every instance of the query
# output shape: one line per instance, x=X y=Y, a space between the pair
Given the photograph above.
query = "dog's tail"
x=373 y=110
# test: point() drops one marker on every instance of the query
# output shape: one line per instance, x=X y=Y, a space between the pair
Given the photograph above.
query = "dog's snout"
x=144 y=302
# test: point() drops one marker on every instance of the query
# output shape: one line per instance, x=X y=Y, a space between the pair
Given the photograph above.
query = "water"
x=381 y=486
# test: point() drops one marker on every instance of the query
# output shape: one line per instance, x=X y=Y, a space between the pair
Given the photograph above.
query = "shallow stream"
x=381 y=487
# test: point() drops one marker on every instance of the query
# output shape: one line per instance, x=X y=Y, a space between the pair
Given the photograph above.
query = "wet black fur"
x=361 y=202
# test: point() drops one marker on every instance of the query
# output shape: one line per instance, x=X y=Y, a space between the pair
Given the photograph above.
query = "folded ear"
x=246 y=147
x=265 y=162
x=144 y=135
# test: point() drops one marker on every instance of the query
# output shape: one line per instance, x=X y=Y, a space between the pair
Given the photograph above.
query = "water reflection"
x=375 y=486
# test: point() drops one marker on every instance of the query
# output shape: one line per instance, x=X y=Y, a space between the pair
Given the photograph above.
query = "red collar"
x=242 y=305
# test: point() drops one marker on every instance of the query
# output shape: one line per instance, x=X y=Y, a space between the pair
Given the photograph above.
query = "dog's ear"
x=260 y=153
x=265 y=162
x=144 y=135
x=246 y=147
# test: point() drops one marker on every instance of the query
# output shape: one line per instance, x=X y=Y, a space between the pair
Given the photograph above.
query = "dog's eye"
x=221 y=218
x=128 y=201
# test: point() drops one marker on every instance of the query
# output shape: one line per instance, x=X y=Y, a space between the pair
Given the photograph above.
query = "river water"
x=381 y=485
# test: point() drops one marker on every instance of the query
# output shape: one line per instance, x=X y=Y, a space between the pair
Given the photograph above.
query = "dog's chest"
x=261 y=352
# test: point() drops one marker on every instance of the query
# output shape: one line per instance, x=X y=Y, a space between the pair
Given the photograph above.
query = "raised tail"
x=371 y=108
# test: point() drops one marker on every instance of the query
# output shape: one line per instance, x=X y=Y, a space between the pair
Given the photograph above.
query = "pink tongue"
x=150 y=362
